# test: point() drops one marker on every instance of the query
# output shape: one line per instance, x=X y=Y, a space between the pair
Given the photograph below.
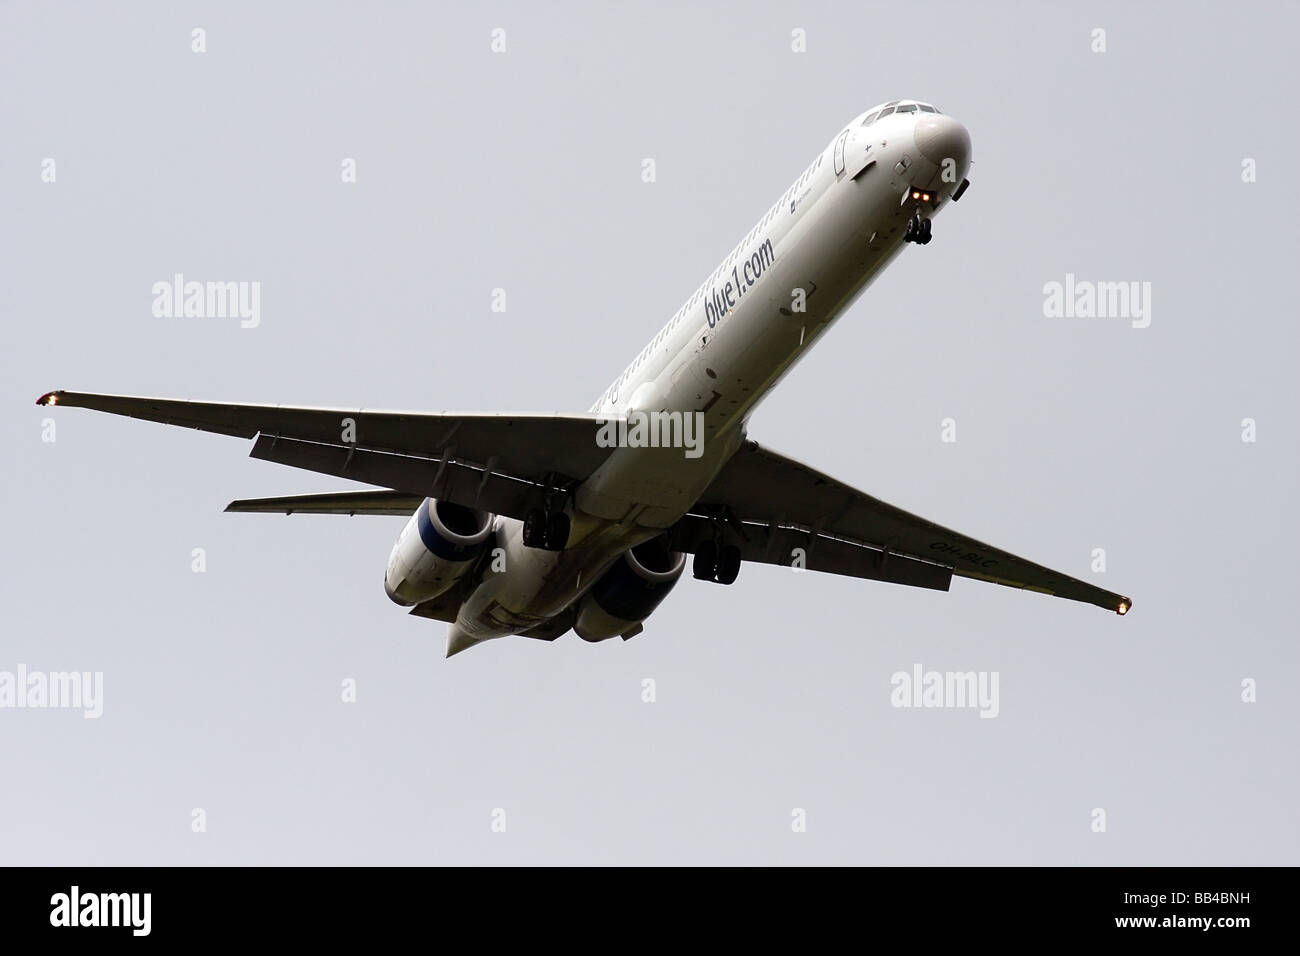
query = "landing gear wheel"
x=910 y=234
x=557 y=531
x=728 y=564
x=535 y=529
x=705 y=565
x=924 y=238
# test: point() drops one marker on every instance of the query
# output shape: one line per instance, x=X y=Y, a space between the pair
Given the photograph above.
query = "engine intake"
x=629 y=591
x=436 y=548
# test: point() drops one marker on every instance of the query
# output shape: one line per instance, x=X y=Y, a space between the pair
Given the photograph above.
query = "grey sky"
x=522 y=171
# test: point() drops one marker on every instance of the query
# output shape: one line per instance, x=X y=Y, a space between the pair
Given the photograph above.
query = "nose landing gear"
x=918 y=230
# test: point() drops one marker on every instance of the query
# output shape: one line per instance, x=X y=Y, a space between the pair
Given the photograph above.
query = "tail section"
x=458 y=640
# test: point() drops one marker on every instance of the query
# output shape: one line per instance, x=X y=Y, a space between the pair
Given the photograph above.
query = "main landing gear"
x=918 y=230
x=548 y=527
x=716 y=563
x=550 y=532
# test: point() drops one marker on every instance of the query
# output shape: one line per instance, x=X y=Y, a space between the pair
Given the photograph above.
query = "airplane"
x=538 y=524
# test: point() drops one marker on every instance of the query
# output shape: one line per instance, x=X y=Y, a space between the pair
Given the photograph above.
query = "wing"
x=502 y=463
x=338 y=503
x=777 y=504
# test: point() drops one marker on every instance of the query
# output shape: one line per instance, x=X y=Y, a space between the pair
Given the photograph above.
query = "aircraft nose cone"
x=940 y=137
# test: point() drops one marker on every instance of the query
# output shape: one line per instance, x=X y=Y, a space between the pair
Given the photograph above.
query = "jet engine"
x=437 y=547
x=629 y=591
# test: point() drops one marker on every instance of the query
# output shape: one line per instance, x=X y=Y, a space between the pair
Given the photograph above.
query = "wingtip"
x=1125 y=605
x=50 y=398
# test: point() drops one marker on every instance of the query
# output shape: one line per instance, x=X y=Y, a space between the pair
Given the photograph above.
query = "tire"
x=728 y=565
x=534 y=529
x=557 y=532
x=705 y=564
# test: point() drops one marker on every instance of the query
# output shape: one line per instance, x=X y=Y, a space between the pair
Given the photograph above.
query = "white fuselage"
x=791 y=276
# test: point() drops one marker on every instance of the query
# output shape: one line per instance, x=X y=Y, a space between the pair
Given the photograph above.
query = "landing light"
x=916 y=195
x=925 y=197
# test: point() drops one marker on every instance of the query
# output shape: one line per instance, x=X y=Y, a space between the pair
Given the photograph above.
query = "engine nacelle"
x=629 y=591
x=437 y=546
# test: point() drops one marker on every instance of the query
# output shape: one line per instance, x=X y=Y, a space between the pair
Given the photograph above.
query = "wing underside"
x=334 y=503
x=779 y=510
x=500 y=462
x=783 y=512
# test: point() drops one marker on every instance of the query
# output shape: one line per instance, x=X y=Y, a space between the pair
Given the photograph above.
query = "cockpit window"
x=928 y=109
x=885 y=112
x=909 y=108
x=870 y=119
